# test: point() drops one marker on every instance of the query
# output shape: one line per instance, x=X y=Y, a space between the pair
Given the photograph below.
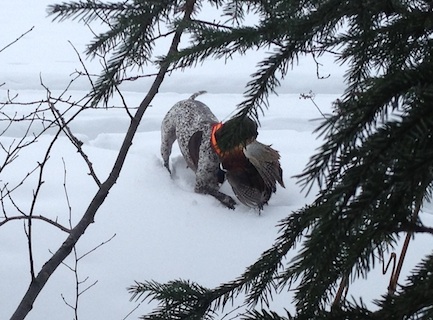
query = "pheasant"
x=251 y=167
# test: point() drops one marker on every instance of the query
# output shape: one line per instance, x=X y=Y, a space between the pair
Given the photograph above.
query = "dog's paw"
x=221 y=197
x=229 y=202
x=167 y=166
x=226 y=200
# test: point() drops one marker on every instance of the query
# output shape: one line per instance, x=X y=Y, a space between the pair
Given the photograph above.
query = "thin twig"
x=125 y=106
x=130 y=312
x=318 y=64
x=342 y=291
x=75 y=141
x=36 y=217
x=97 y=247
x=311 y=96
x=212 y=24
x=394 y=277
x=86 y=72
x=17 y=39
x=28 y=233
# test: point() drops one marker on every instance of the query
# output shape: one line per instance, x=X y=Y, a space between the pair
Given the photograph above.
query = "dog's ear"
x=194 y=147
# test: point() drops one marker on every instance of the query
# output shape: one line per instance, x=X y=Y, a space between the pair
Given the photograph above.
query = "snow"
x=162 y=229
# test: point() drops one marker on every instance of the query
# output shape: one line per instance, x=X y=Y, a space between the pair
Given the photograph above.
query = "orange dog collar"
x=213 y=141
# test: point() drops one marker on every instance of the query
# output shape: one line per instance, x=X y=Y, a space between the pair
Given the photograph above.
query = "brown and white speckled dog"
x=190 y=122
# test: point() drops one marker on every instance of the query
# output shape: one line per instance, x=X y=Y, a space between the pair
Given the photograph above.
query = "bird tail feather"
x=266 y=160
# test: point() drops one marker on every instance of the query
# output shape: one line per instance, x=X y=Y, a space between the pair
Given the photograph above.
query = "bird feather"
x=266 y=160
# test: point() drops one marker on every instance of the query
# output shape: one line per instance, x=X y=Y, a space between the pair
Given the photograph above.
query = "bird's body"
x=252 y=169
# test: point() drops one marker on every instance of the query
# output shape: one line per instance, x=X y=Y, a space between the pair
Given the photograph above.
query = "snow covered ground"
x=162 y=230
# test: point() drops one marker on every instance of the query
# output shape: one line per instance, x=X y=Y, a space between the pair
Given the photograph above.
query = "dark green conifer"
x=375 y=167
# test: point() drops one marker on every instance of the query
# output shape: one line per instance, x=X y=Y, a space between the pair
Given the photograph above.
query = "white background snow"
x=163 y=230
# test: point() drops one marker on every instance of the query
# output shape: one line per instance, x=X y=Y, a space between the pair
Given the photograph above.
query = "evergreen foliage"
x=133 y=30
x=375 y=168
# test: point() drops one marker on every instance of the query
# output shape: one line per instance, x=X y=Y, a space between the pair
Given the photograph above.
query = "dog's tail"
x=195 y=95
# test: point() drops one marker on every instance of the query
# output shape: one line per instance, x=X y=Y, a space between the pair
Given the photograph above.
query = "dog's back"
x=189 y=122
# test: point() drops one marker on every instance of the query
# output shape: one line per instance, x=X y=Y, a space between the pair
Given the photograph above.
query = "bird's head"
x=233 y=135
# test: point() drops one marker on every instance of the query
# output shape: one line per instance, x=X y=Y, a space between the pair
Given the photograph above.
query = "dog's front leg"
x=206 y=182
x=223 y=198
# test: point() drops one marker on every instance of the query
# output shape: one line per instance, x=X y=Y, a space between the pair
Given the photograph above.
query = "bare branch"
x=310 y=95
x=65 y=249
x=125 y=106
x=86 y=72
x=133 y=309
x=318 y=65
x=17 y=39
x=34 y=200
x=212 y=24
x=97 y=247
x=75 y=141
x=36 y=217
x=74 y=268
x=28 y=233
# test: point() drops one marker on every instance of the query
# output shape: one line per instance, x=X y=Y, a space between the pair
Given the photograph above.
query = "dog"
x=190 y=122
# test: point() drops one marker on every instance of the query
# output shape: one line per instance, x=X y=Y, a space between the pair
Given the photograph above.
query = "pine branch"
x=362 y=212
x=265 y=315
x=87 y=11
x=356 y=118
x=290 y=37
x=130 y=38
x=216 y=41
x=178 y=299
x=265 y=81
x=235 y=11
x=131 y=42
x=413 y=301
x=185 y=299
x=373 y=168
x=368 y=195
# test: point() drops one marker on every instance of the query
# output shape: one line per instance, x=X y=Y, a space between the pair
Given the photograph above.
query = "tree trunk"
x=38 y=283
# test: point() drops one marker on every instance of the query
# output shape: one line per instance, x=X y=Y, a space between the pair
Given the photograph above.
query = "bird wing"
x=267 y=162
x=247 y=194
